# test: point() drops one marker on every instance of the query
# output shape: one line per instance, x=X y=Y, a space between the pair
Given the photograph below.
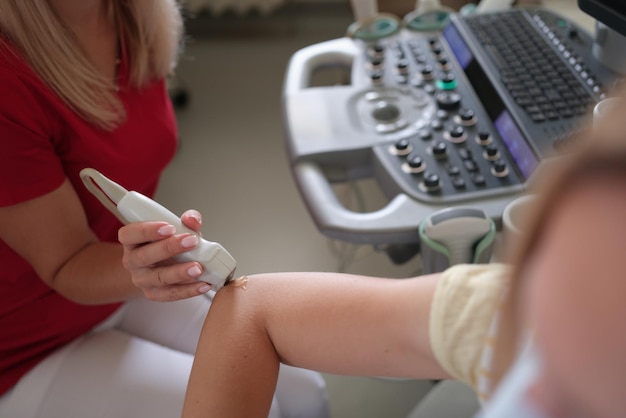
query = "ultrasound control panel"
x=459 y=117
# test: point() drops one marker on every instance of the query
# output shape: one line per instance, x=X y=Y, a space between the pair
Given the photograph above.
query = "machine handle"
x=338 y=52
x=397 y=222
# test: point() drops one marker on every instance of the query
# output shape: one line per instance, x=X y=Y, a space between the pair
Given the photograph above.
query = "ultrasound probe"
x=130 y=206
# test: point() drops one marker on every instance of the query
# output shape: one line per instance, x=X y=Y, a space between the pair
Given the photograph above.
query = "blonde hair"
x=151 y=32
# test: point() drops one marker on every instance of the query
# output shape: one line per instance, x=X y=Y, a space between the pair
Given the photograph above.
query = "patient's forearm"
x=328 y=322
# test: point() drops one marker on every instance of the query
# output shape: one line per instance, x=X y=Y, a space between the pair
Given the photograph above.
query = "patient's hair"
x=150 y=30
x=600 y=149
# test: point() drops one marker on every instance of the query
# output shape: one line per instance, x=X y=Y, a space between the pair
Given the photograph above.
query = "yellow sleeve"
x=464 y=304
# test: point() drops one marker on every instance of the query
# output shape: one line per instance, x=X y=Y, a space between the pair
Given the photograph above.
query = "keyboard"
x=542 y=68
x=532 y=61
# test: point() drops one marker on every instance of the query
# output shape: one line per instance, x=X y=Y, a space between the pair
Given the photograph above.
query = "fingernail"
x=196 y=216
x=194 y=271
x=189 y=241
x=166 y=230
x=204 y=288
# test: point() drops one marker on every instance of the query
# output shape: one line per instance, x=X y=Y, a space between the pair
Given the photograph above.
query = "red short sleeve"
x=30 y=167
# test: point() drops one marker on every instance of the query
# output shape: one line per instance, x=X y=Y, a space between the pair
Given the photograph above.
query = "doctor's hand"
x=148 y=251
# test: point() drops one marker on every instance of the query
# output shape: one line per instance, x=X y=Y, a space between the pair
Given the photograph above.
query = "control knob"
x=491 y=152
x=440 y=150
x=402 y=147
x=376 y=51
x=414 y=164
x=376 y=77
x=403 y=66
x=466 y=117
x=376 y=64
x=483 y=138
x=444 y=64
x=456 y=135
x=427 y=72
x=499 y=168
x=431 y=182
x=448 y=100
x=437 y=50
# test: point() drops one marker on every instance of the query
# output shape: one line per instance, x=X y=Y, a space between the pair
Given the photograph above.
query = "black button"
x=398 y=52
x=478 y=179
x=454 y=170
x=425 y=134
x=402 y=64
x=448 y=100
x=431 y=180
x=417 y=83
x=442 y=114
x=427 y=71
x=467 y=115
x=483 y=137
x=448 y=77
x=458 y=182
x=457 y=132
x=465 y=154
x=402 y=145
x=415 y=161
x=499 y=166
x=470 y=165
x=439 y=149
x=491 y=150
x=419 y=57
x=436 y=125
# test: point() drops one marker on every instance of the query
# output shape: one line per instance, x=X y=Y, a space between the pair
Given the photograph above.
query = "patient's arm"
x=333 y=323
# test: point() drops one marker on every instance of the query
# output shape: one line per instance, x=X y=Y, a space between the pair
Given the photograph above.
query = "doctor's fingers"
x=139 y=256
x=170 y=283
x=192 y=219
x=139 y=233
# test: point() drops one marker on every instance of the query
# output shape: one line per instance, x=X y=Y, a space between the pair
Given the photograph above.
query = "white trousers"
x=136 y=364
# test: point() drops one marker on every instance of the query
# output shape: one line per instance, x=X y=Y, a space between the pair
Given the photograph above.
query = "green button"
x=446 y=85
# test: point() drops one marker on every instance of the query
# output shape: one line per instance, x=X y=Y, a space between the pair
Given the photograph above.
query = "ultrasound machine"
x=460 y=115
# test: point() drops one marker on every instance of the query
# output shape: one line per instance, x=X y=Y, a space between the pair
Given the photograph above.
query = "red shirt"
x=43 y=142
